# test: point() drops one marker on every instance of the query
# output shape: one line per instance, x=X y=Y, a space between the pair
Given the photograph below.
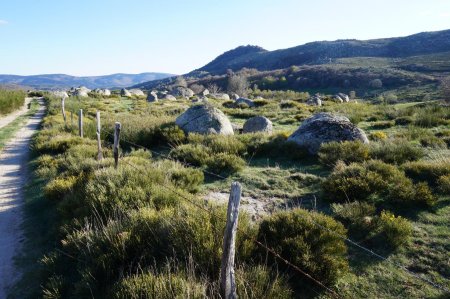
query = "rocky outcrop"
x=204 y=119
x=344 y=97
x=102 y=92
x=244 y=101
x=258 y=124
x=325 y=127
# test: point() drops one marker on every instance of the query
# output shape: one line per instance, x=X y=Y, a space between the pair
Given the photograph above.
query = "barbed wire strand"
x=277 y=255
x=367 y=250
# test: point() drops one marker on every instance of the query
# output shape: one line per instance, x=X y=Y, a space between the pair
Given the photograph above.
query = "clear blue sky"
x=94 y=37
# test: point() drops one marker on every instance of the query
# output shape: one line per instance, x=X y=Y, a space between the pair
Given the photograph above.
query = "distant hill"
x=61 y=81
x=322 y=52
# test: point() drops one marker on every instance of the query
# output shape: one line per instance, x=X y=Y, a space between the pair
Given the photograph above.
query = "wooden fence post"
x=63 y=99
x=227 y=277
x=99 y=141
x=117 y=128
x=80 y=123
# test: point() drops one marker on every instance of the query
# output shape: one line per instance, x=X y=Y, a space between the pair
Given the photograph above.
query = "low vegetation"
x=152 y=226
x=11 y=100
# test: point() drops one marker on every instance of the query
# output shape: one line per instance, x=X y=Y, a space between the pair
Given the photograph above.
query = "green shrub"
x=444 y=184
x=294 y=235
x=403 y=120
x=369 y=181
x=433 y=142
x=223 y=163
x=347 y=151
x=287 y=104
x=219 y=143
x=432 y=116
x=379 y=125
x=193 y=154
x=427 y=171
x=260 y=103
x=377 y=136
x=59 y=187
x=396 y=152
x=398 y=230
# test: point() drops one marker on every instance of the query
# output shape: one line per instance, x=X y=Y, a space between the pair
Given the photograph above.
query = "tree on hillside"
x=445 y=88
x=238 y=84
x=213 y=88
x=376 y=83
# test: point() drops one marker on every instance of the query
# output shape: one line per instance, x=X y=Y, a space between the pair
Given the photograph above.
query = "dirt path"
x=7 y=119
x=13 y=161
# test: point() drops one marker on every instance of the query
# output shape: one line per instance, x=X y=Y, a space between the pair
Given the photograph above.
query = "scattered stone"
x=221 y=96
x=246 y=101
x=102 y=92
x=258 y=124
x=181 y=91
x=235 y=96
x=314 y=101
x=137 y=92
x=344 y=97
x=82 y=93
x=169 y=97
x=337 y=99
x=325 y=127
x=125 y=93
x=204 y=119
x=205 y=92
x=152 y=96
x=60 y=94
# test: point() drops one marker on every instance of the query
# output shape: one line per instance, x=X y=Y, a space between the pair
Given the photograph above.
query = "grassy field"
x=103 y=232
x=11 y=100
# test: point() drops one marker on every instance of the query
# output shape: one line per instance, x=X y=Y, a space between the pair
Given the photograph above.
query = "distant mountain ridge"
x=62 y=81
x=321 y=52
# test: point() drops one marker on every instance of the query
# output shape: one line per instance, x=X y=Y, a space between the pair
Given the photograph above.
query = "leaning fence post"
x=117 y=128
x=63 y=99
x=99 y=141
x=227 y=277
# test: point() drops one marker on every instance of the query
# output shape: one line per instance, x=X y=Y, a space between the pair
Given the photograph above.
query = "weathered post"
x=80 y=123
x=117 y=128
x=99 y=141
x=227 y=277
x=63 y=99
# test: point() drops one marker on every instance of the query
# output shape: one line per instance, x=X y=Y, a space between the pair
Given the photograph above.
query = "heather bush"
x=225 y=164
x=395 y=152
x=377 y=136
x=371 y=181
x=347 y=151
x=427 y=171
x=299 y=234
x=356 y=212
x=397 y=230
x=444 y=184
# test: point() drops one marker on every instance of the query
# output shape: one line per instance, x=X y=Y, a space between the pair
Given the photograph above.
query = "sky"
x=99 y=37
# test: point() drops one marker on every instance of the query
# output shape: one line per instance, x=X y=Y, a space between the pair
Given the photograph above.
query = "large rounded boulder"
x=181 y=91
x=258 y=124
x=125 y=93
x=204 y=119
x=325 y=127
